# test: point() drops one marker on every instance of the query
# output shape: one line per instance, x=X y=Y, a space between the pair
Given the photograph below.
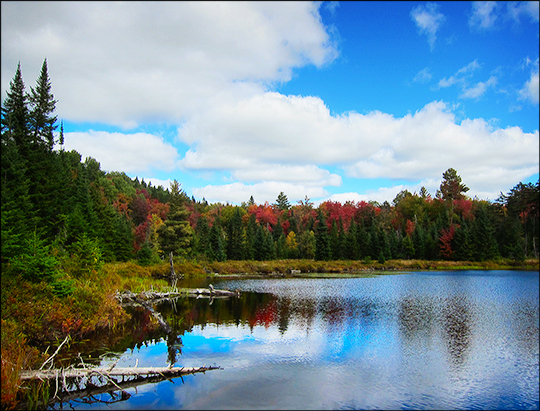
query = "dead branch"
x=128 y=371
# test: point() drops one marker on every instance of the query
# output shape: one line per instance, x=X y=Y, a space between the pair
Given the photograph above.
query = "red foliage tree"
x=445 y=240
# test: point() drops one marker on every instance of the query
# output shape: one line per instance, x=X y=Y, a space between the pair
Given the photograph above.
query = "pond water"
x=421 y=340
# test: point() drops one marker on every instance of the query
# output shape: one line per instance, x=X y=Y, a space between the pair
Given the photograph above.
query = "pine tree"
x=43 y=105
x=350 y=248
x=463 y=250
x=176 y=234
x=215 y=248
x=322 y=240
x=235 y=237
x=418 y=239
x=335 y=240
x=249 y=239
x=484 y=244
x=282 y=202
x=15 y=115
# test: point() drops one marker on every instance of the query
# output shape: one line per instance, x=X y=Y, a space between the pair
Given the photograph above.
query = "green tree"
x=215 y=247
x=42 y=102
x=282 y=202
x=484 y=244
x=350 y=248
x=461 y=243
x=306 y=245
x=451 y=187
x=176 y=234
x=15 y=115
x=322 y=240
x=235 y=237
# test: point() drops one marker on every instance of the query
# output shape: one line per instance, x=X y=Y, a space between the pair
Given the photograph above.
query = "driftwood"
x=135 y=377
x=165 y=372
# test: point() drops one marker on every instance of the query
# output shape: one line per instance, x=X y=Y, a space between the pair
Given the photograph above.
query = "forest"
x=64 y=219
x=55 y=204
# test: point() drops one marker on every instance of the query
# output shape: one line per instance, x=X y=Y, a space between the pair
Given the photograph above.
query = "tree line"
x=63 y=217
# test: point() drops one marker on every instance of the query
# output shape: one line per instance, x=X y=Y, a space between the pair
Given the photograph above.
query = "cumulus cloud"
x=531 y=87
x=265 y=191
x=179 y=56
x=290 y=140
x=136 y=152
x=428 y=20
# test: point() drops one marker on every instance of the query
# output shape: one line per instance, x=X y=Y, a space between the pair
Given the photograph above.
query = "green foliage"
x=36 y=263
x=86 y=257
x=322 y=240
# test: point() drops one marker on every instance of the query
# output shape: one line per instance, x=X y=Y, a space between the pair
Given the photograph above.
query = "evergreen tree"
x=322 y=240
x=335 y=240
x=202 y=232
x=282 y=202
x=176 y=234
x=42 y=120
x=418 y=239
x=484 y=244
x=15 y=116
x=215 y=246
x=363 y=242
x=235 y=237
x=251 y=231
x=350 y=248
x=461 y=243
x=407 y=247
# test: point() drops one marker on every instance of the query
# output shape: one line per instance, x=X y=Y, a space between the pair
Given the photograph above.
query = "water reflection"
x=457 y=326
x=424 y=340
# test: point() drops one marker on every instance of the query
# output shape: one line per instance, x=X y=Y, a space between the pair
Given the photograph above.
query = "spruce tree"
x=176 y=234
x=322 y=240
x=335 y=240
x=282 y=202
x=215 y=247
x=350 y=249
x=235 y=237
x=43 y=104
x=15 y=115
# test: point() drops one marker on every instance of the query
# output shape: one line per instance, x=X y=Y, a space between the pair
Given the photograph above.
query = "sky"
x=340 y=101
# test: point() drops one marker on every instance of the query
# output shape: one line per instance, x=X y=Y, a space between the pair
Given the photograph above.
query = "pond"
x=420 y=340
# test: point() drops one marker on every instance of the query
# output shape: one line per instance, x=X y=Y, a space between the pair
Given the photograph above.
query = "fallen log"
x=166 y=372
x=136 y=377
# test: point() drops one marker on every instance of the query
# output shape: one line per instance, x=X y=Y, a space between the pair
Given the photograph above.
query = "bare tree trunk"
x=174 y=277
x=128 y=371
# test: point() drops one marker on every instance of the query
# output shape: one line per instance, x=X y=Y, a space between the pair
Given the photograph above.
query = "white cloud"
x=290 y=139
x=428 y=20
x=461 y=76
x=423 y=76
x=479 y=89
x=265 y=191
x=527 y=8
x=136 y=152
x=127 y=63
x=484 y=14
x=530 y=90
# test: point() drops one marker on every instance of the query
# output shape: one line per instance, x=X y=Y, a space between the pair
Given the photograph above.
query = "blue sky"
x=332 y=100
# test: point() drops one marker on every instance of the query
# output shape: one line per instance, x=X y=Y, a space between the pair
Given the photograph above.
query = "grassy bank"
x=34 y=317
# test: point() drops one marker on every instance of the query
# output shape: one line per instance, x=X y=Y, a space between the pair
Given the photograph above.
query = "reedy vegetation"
x=73 y=234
